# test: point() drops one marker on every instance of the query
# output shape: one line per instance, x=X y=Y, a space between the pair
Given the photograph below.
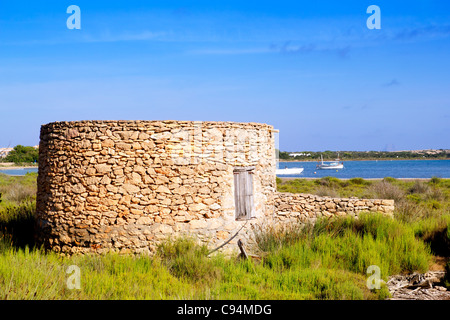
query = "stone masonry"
x=307 y=207
x=126 y=185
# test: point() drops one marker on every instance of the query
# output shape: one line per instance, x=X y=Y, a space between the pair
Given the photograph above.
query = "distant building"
x=299 y=154
x=4 y=152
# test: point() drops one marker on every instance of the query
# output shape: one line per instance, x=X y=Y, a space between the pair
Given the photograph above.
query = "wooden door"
x=243 y=193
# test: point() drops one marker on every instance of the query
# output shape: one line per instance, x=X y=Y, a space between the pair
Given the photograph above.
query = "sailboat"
x=330 y=164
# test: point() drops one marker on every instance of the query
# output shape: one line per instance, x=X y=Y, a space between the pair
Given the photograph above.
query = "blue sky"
x=311 y=69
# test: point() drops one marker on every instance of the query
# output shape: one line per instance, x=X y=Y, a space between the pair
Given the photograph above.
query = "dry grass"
x=18 y=193
x=16 y=190
x=386 y=190
x=325 y=191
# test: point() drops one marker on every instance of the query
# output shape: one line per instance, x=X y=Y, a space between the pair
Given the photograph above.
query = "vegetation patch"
x=325 y=260
x=22 y=154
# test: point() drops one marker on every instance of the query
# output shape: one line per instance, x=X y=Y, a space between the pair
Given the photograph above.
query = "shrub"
x=434 y=204
x=435 y=181
x=22 y=154
x=330 y=182
x=326 y=192
x=420 y=187
x=389 y=179
x=358 y=181
x=414 y=197
x=386 y=190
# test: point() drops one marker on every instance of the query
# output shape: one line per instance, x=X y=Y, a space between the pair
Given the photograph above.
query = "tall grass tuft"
x=385 y=189
x=348 y=243
x=272 y=237
x=436 y=232
x=17 y=224
x=186 y=259
x=420 y=187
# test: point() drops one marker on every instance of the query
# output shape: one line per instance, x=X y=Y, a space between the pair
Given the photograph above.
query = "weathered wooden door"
x=243 y=193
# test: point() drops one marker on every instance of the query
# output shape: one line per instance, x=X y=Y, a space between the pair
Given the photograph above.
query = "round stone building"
x=126 y=185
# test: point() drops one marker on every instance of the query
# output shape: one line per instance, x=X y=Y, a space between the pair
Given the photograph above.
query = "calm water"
x=352 y=169
x=18 y=172
x=376 y=169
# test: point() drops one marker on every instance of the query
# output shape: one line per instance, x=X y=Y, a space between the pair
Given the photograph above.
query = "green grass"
x=325 y=260
x=356 y=187
x=17 y=209
x=32 y=274
x=353 y=245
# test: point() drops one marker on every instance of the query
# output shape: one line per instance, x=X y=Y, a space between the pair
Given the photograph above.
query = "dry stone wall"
x=306 y=207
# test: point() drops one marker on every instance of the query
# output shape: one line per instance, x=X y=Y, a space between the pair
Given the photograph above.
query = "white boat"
x=289 y=171
x=330 y=165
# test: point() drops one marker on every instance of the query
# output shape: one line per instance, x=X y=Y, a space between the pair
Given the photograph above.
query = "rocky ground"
x=418 y=286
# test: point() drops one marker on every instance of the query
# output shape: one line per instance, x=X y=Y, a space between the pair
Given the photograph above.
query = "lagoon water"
x=352 y=169
x=375 y=169
x=18 y=172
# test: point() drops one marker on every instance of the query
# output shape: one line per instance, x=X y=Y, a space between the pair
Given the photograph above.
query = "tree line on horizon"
x=353 y=155
x=22 y=154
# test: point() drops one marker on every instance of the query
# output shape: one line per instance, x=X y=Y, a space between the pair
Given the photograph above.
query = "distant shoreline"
x=16 y=167
x=369 y=159
x=370 y=179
